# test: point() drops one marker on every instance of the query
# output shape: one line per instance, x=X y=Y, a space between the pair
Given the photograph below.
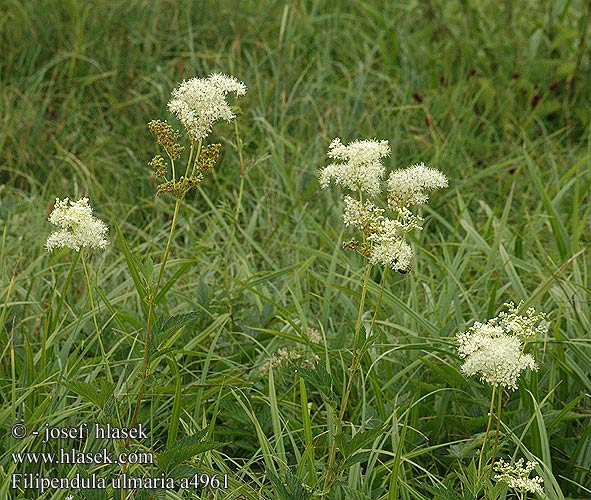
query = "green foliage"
x=184 y=450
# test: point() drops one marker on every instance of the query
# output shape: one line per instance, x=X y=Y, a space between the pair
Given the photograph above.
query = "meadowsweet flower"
x=78 y=227
x=284 y=357
x=383 y=237
x=199 y=102
x=494 y=349
x=364 y=216
x=517 y=476
x=313 y=335
x=396 y=255
x=497 y=357
x=522 y=326
x=410 y=186
x=360 y=168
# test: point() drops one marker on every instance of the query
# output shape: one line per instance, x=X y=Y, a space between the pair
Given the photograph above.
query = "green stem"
x=151 y=305
x=101 y=345
x=375 y=313
x=239 y=149
x=153 y=292
x=95 y=321
x=49 y=325
x=499 y=407
x=235 y=224
x=490 y=414
x=356 y=355
x=352 y=372
x=196 y=157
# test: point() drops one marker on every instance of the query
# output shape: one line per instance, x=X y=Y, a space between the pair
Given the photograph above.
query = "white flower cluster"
x=517 y=476
x=362 y=171
x=361 y=168
x=384 y=236
x=199 y=102
x=495 y=349
x=313 y=335
x=79 y=228
x=410 y=186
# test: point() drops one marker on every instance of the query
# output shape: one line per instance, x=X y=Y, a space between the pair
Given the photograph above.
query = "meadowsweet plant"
x=359 y=168
x=495 y=351
x=197 y=103
x=516 y=476
x=78 y=230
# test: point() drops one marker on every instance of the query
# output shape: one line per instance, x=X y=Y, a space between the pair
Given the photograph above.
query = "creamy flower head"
x=494 y=350
x=78 y=227
x=395 y=254
x=199 y=102
x=517 y=476
x=361 y=167
x=384 y=237
x=410 y=186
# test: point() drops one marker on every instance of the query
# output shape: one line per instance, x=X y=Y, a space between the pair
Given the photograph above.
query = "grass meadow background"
x=497 y=95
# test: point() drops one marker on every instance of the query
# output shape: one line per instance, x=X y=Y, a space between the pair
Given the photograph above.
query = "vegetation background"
x=495 y=94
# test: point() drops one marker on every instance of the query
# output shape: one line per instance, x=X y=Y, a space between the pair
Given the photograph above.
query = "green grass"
x=450 y=83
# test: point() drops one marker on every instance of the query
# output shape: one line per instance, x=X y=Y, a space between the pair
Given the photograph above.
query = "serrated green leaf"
x=168 y=460
x=184 y=449
x=360 y=439
x=353 y=494
x=147 y=270
x=292 y=489
x=164 y=325
x=319 y=378
x=342 y=442
x=362 y=456
x=90 y=393
x=183 y=471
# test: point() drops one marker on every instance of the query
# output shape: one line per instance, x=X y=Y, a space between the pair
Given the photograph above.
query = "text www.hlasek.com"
x=73 y=456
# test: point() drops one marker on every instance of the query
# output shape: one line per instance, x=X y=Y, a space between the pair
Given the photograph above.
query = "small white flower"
x=517 y=476
x=410 y=186
x=198 y=103
x=361 y=167
x=79 y=228
x=384 y=236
